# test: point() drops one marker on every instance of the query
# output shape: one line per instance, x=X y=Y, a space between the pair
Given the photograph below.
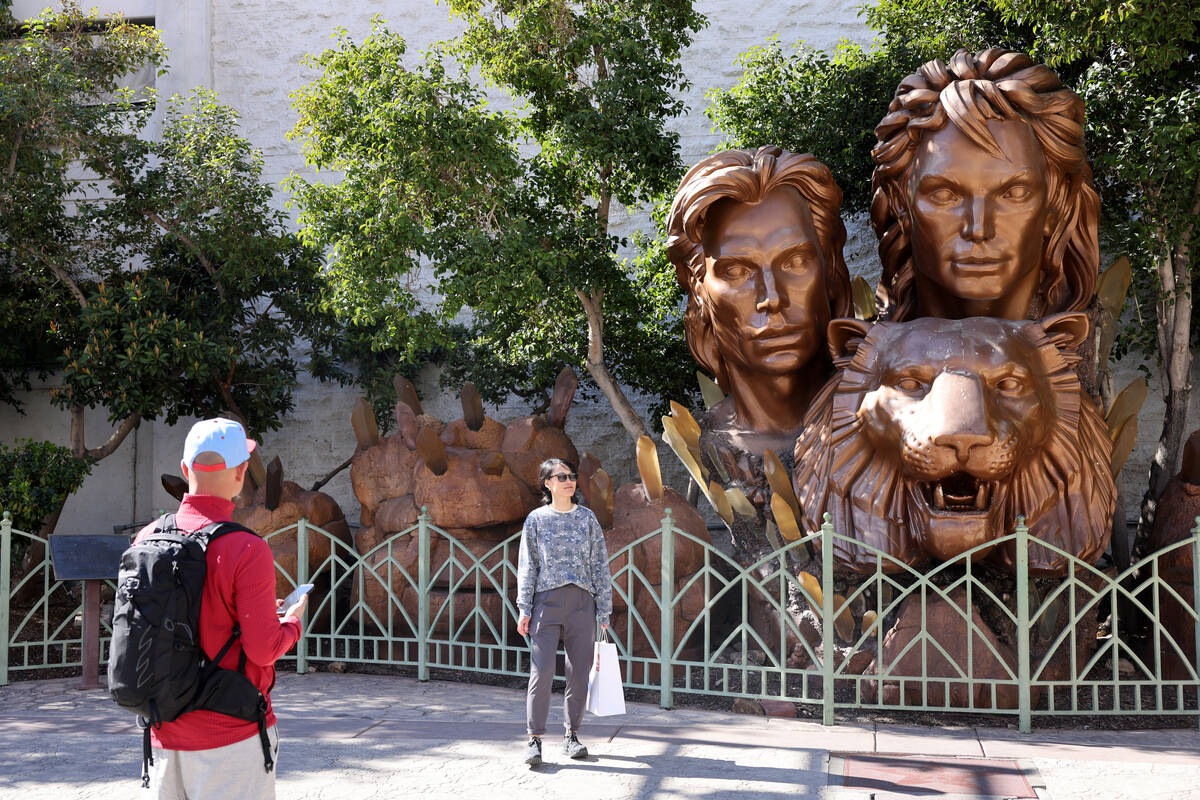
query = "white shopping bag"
x=606 y=696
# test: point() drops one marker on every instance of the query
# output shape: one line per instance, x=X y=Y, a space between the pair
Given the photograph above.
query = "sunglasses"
x=563 y=477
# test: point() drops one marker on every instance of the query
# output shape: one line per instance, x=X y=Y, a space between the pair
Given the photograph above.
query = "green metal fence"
x=976 y=641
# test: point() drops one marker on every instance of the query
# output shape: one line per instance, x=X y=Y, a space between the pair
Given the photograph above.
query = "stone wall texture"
x=250 y=52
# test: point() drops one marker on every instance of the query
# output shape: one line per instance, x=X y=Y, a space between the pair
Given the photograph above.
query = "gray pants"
x=568 y=613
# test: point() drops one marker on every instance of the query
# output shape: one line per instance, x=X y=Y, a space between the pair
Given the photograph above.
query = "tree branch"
x=227 y=395
x=118 y=436
x=173 y=227
x=593 y=308
x=12 y=158
x=331 y=474
x=58 y=271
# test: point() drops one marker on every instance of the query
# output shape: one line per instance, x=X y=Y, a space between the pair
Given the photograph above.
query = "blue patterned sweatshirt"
x=561 y=547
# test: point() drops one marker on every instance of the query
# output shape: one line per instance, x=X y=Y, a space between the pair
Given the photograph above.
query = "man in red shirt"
x=206 y=755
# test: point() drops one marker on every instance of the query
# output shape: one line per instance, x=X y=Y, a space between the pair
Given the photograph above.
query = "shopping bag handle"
x=604 y=636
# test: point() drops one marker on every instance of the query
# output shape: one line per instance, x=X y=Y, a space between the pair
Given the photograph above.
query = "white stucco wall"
x=249 y=51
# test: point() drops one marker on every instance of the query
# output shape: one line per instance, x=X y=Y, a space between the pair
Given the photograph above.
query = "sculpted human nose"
x=771 y=299
x=977 y=220
x=957 y=402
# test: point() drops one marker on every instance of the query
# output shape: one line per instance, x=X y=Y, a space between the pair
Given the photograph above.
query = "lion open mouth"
x=959 y=493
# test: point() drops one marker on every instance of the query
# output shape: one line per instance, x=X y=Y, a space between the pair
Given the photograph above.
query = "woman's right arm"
x=527 y=568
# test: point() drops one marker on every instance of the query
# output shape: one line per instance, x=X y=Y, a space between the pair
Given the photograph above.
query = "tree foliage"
x=142 y=261
x=461 y=225
x=35 y=477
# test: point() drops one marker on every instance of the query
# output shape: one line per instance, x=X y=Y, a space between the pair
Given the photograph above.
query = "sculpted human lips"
x=786 y=332
x=978 y=263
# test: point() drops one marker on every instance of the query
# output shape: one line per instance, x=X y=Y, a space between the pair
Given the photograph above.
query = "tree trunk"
x=1174 y=332
x=593 y=307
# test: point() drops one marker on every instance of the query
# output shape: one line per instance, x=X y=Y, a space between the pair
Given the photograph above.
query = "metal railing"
x=1018 y=644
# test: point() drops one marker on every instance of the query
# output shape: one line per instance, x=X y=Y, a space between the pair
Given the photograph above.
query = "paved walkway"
x=361 y=737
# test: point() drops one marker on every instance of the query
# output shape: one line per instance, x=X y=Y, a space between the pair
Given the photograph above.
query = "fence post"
x=302 y=578
x=1195 y=586
x=827 y=644
x=423 y=594
x=5 y=588
x=1023 y=632
x=666 y=643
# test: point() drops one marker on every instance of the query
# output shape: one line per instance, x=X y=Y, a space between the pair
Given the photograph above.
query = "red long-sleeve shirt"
x=240 y=586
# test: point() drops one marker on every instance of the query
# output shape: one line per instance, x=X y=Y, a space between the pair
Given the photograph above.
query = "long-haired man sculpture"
x=983 y=200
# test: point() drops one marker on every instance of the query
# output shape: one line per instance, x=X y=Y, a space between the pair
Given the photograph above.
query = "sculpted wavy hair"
x=969 y=91
x=747 y=176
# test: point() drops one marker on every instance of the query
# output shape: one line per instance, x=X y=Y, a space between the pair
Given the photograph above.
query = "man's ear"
x=187 y=475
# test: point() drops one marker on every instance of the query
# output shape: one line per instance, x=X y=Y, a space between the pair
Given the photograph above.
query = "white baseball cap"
x=225 y=437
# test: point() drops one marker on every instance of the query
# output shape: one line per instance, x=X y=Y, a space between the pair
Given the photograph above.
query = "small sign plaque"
x=79 y=557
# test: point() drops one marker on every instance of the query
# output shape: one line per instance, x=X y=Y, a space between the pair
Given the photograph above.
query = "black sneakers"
x=573 y=748
x=533 y=755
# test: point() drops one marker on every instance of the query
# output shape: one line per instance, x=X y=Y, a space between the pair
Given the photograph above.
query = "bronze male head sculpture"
x=756 y=241
x=983 y=198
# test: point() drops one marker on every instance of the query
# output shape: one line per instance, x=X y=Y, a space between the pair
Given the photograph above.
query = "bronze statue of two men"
x=962 y=405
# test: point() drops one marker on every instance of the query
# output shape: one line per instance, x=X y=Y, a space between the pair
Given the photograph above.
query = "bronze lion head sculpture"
x=936 y=434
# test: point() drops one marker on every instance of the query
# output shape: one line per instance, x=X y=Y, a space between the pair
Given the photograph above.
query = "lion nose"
x=960 y=408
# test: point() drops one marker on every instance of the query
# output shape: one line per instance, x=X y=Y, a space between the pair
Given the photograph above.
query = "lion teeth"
x=981 y=497
x=939 y=497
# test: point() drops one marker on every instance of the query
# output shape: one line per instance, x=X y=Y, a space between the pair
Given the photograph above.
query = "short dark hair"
x=544 y=473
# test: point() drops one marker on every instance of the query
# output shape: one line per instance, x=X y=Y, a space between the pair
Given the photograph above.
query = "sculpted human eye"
x=798 y=262
x=1010 y=385
x=733 y=271
x=1018 y=192
x=942 y=195
x=910 y=385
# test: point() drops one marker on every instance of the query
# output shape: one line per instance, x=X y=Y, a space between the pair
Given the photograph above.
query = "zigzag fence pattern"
x=697 y=633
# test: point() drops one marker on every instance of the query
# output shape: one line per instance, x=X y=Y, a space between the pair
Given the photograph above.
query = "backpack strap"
x=268 y=762
x=214 y=530
x=233 y=637
x=147 y=757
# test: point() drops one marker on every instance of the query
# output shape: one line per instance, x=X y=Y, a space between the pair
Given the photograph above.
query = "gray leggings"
x=568 y=613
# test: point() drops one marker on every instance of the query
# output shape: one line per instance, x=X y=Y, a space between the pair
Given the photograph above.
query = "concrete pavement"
x=362 y=737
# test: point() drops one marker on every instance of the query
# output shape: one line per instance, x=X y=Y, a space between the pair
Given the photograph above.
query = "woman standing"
x=563 y=584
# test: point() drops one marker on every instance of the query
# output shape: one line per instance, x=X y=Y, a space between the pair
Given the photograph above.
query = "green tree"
x=150 y=275
x=1137 y=67
x=445 y=203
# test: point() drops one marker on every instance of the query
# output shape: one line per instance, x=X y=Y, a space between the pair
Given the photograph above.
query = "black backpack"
x=156 y=667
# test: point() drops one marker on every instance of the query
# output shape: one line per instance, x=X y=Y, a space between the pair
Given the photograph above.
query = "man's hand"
x=297 y=609
x=523 y=625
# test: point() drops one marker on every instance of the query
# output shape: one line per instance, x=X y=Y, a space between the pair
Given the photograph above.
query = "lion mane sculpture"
x=936 y=434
